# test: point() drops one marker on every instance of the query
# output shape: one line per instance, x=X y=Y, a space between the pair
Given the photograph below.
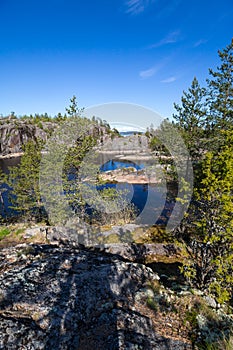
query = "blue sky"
x=138 y=51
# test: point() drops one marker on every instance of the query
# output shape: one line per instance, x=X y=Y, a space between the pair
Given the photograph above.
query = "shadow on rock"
x=60 y=297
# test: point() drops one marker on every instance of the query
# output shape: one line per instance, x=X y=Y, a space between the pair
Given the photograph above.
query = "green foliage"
x=37 y=119
x=24 y=181
x=211 y=330
x=206 y=111
x=220 y=92
x=212 y=254
x=73 y=109
x=191 y=317
x=70 y=158
x=191 y=117
x=25 y=195
x=205 y=120
x=65 y=151
x=4 y=231
x=155 y=144
x=158 y=234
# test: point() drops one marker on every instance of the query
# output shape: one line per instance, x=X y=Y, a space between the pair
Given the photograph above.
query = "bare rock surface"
x=130 y=145
x=14 y=134
x=63 y=297
x=131 y=175
x=142 y=252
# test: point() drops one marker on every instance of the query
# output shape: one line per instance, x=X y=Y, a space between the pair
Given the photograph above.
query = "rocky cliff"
x=15 y=133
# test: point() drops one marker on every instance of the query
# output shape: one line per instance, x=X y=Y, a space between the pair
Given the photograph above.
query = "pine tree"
x=220 y=92
x=73 y=110
x=206 y=119
x=190 y=118
x=24 y=182
x=211 y=251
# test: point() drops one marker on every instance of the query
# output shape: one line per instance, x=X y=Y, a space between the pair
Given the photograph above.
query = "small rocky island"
x=129 y=175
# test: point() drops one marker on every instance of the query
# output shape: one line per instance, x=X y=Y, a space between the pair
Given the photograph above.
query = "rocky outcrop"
x=15 y=133
x=131 y=175
x=63 y=297
x=130 y=145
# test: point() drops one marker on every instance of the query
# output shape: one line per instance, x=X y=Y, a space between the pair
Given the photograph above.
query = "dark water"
x=5 y=209
x=151 y=201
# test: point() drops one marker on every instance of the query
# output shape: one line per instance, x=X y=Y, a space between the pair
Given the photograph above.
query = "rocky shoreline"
x=11 y=155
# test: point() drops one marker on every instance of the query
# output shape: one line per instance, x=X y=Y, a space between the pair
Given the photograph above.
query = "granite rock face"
x=14 y=134
x=62 y=297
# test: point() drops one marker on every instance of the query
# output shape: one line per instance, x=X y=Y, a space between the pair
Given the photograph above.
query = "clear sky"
x=139 y=51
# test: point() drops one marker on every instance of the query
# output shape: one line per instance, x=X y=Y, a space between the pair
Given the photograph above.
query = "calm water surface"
x=150 y=200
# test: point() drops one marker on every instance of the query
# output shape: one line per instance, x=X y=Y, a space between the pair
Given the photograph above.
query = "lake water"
x=5 y=165
x=150 y=200
x=114 y=164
